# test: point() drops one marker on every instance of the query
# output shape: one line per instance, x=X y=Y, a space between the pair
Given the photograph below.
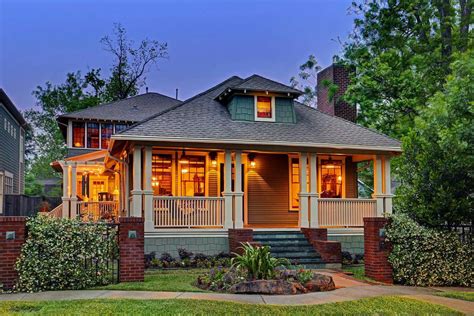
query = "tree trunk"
x=466 y=11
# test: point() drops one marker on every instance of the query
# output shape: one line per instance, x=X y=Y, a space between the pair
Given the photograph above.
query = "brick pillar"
x=12 y=237
x=132 y=249
x=315 y=233
x=376 y=250
x=330 y=251
x=238 y=236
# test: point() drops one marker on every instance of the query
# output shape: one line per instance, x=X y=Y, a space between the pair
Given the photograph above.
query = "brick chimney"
x=338 y=75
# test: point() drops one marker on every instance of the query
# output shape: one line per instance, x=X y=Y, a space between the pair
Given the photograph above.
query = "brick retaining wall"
x=10 y=248
x=132 y=249
x=377 y=250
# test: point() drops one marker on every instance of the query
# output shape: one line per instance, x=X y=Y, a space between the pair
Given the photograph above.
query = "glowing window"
x=106 y=133
x=193 y=176
x=295 y=182
x=78 y=134
x=93 y=135
x=264 y=108
x=331 y=178
x=161 y=178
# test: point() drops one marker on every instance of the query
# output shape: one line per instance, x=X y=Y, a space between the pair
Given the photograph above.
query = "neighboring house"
x=233 y=156
x=12 y=153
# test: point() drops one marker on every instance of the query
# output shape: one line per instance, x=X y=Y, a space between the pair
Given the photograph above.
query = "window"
x=92 y=135
x=295 y=182
x=22 y=148
x=193 y=176
x=8 y=183
x=161 y=178
x=120 y=127
x=106 y=132
x=331 y=178
x=78 y=134
x=264 y=108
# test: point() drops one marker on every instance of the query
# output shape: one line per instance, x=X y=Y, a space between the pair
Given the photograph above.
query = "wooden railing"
x=97 y=211
x=188 y=212
x=345 y=212
x=56 y=212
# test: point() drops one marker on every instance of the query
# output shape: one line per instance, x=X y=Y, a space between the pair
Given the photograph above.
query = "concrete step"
x=296 y=255
x=305 y=248
x=284 y=236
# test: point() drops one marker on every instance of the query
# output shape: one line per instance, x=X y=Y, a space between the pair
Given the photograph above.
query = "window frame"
x=343 y=173
x=290 y=175
x=180 y=174
x=155 y=168
x=272 y=103
x=84 y=126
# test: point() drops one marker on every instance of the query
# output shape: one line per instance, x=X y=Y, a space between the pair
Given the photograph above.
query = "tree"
x=437 y=166
x=307 y=81
x=402 y=52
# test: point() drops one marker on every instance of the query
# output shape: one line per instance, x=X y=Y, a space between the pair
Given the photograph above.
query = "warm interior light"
x=213 y=157
x=339 y=178
x=183 y=159
x=251 y=158
x=184 y=170
x=214 y=163
x=116 y=192
x=252 y=164
x=78 y=144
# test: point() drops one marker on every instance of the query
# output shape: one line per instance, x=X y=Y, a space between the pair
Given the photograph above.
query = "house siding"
x=242 y=108
x=351 y=178
x=284 y=110
x=10 y=148
x=268 y=192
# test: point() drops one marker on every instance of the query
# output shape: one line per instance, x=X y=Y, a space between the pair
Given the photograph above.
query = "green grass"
x=369 y=306
x=466 y=296
x=163 y=280
x=358 y=272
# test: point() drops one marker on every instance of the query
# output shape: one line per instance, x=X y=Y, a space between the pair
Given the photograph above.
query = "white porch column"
x=239 y=222
x=65 y=198
x=303 y=218
x=136 y=210
x=148 y=192
x=228 y=196
x=73 y=191
x=313 y=194
x=388 y=186
x=378 y=186
x=126 y=169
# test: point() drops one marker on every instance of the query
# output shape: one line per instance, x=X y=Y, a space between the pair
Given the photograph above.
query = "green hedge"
x=428 y=257
x=62 y=254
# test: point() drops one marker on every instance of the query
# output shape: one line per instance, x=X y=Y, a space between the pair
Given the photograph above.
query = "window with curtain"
x=92 y=135
x=106 y=133
x=161 y=177
x=264 y=107
x=193 y=176
x=295 y=182
x=331 y=179
x=78 y=134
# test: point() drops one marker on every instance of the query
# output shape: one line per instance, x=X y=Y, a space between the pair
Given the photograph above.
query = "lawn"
x=358 y=272
x=163 y=280
x=466 y=296
x=369 y=306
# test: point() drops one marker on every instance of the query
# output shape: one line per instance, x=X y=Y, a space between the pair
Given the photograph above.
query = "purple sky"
x=208 y=40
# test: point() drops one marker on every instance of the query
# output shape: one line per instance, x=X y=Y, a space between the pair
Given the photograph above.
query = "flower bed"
x=186 y=260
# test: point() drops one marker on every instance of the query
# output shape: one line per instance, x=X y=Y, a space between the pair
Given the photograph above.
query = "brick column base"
x=132 y=249
x=377 y=250
x=238 y=236
x=12 y=238
x=330 y=251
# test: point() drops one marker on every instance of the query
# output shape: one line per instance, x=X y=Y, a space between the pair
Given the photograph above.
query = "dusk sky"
x=208 y=41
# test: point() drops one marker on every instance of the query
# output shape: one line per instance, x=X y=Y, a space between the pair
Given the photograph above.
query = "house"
x=12 y=149
x=231 y=157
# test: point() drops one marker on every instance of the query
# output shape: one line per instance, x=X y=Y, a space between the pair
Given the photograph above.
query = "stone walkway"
x=347 y=289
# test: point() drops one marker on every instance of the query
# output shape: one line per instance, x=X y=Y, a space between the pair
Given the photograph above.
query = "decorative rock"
x=268 y=287
x=320 y=283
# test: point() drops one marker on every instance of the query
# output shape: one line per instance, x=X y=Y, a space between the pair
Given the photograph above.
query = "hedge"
x=428 y=257
x=61 y=254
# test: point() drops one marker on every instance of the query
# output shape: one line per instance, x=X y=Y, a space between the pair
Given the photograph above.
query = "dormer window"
x=264 y=108
x=78 y=134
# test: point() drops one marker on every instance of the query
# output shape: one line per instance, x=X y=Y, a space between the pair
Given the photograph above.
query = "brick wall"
x=330 y=251
x=238 y=236
x=376 y=250
x=339 y=75
x=132 y=249
x=10 y=249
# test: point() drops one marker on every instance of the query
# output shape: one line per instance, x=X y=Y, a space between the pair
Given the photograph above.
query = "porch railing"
x=345 y=212
x=97 y=211
x=56 y=212
x=188 y=212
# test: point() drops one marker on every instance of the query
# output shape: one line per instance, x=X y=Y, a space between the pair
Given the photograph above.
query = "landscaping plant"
x=258 y=262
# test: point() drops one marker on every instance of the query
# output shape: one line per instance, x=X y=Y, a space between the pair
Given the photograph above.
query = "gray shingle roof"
x=204 y=118
x=259 y=83
x=133 y=109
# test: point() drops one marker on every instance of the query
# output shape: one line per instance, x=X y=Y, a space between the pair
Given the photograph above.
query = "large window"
x=93 y=135
x=78 y=134
x=295 y=182
x=106 y=132
x=120 y=127
x=264 y=108
x=331 y=179
x=162 y=175
x=193 y=176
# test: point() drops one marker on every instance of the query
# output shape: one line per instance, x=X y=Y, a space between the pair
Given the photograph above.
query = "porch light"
x=183 y=159
x=213 y=157
x=251 y=158
x=330 y=164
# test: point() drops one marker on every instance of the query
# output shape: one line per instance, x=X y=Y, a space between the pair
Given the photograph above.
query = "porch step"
x=291 y=245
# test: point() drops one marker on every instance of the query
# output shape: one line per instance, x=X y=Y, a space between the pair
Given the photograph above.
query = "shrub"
x=346 y=257
x=165 y=256
x=304 y=276
x=258 y=262
x=200 y=256
x=62 y=254
x=184 y=254
x=428 y=257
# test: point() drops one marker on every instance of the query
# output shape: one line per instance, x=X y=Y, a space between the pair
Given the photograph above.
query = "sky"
x=208 y=40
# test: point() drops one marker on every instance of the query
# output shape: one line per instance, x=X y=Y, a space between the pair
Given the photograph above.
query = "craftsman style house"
x=243 y=154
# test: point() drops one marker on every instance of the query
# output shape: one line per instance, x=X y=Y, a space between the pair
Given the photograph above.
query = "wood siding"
x=268 y=192
x=213 y=183
x=351 y=179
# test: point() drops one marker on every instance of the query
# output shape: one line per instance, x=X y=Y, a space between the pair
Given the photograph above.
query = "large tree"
x=130 y=64
x=437 y=166
x=402 y=51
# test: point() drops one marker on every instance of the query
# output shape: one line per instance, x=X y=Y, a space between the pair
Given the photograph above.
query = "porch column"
x=303 y=218
x=313 y=194
x=388 y=186
x=73 y=191
x=378 y=180
x=228 y=201
x=65 y=198
x=148 y=192
x=239 y=222
x=136 y=210
x=126 y=194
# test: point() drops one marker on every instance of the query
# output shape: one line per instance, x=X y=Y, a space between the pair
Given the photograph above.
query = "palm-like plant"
x=258 y=262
